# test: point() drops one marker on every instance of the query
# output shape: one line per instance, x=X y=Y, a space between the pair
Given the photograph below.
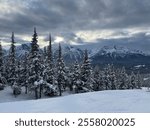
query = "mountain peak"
x=117 y=51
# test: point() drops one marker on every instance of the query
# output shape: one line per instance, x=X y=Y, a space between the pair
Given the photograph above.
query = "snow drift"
x=116 y=101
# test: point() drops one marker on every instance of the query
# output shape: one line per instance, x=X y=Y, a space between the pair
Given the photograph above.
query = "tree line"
x=41 y=74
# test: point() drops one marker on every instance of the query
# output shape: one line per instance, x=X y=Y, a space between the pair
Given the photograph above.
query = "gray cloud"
x=72 y=15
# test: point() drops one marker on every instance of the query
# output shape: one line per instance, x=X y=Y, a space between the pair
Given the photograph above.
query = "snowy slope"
x=7 y=96
x=119 y=50
x=104 y=101
x=113 y=49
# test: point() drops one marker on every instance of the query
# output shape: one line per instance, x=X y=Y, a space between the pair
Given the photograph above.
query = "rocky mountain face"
x=117 y=55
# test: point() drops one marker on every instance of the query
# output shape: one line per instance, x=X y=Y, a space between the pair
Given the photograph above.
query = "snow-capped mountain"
x=117 y=55
x=70 y=53
x=117 y=51
x=94 y=48
x=22 y=50
x=113 y=51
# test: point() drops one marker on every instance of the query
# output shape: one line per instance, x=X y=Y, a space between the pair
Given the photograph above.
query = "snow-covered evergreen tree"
x=25 y=72
x=13 y=71
x=18 y=73
x=2 y=79
x=34 y=45
x=1 y=59
x=60 y=72
x=35 y=70
x=96 y=78
x=110 y=79
x=139 y=81
x=12 y=62
x=49 y=70
x=76 y=77
x=86 y=73
x=105 y=79
x=132 y=81
x=49 y=51
x=68 y=83
x=101 y=81
x=113 y=79
x=21 y=74
x=123 y=79
x=45 y=52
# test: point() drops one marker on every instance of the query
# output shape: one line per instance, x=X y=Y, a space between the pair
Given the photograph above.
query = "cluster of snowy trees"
x=41 y=74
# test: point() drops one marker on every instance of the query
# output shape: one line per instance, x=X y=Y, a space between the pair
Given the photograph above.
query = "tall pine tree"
x=97 y=79
x=1 y=59
x=25 y=72
x=49 y=50
x=34 y=45
x=12 y=61
x=86 y=73
x=77 y=78
x=35 y=70
x=139 y=81
x=60 y=71
x=2 y=79
x=123 y=79
x=48 y=73
x=49 y=70
x=132 y=81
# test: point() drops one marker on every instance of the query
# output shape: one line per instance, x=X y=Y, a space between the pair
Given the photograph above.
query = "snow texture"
x=113 y=101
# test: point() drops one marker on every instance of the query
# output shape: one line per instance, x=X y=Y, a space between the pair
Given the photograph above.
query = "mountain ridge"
x=117 y=55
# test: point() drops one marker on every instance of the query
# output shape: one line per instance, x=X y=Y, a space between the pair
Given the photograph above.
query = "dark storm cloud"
x=73 y=15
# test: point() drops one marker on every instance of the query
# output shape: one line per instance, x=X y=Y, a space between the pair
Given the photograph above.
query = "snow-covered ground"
x=103 y=101
x=6 y=95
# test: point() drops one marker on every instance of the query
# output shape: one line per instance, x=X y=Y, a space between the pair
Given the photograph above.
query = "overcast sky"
x=79 y=20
